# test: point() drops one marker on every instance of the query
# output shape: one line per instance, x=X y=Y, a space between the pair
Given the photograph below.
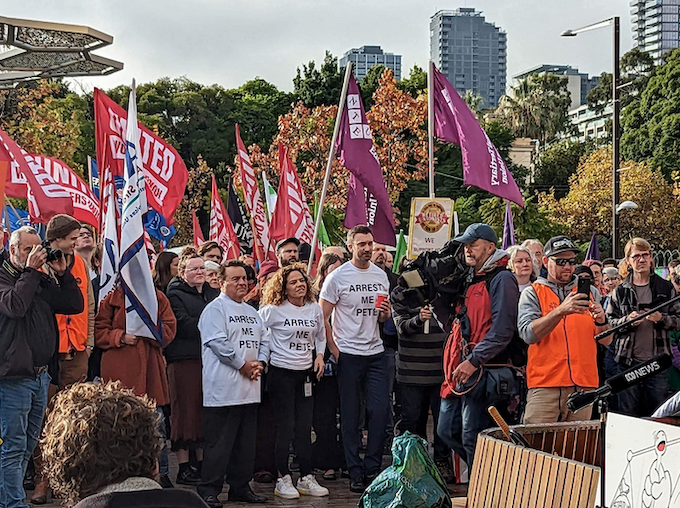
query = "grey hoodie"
x=530 y=308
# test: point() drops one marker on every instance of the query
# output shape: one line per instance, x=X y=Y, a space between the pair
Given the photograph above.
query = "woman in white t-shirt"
x=297 y=341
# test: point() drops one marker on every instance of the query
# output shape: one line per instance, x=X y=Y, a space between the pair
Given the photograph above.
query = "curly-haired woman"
x=295 y=326
x=100 y=449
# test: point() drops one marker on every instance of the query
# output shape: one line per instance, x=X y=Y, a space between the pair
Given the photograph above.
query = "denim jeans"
x=163 y=458
x=370 y=375
x=462 y=418
x=22 y=410
x=642 y=399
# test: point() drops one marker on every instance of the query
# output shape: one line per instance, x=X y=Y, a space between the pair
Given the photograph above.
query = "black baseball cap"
x=292 y=239
x=478 y=231
x=558 y=245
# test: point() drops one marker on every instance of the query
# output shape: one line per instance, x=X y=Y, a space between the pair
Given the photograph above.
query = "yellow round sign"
x=432 y=217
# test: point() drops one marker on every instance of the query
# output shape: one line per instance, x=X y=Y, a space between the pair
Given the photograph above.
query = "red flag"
x=85 y=204
x=165 y=174
x=198 y=234
x=291 y=217
x=221 y=230
x=46 y=197
x=262 y=245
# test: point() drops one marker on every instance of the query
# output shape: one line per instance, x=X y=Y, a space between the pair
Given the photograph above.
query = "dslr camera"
x=52 y=254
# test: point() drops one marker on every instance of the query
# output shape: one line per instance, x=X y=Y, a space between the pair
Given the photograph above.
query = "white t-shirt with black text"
x=231 y=335
x=293 y=333
x=353 y=291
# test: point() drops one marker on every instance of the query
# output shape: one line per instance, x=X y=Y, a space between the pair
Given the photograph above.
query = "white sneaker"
x=284 y=488
x=309 y=487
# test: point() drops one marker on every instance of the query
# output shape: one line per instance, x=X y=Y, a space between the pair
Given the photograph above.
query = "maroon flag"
x=483 y=166
x=367 y=201
x=198 y=234
x=46 y=197
x=221 y=230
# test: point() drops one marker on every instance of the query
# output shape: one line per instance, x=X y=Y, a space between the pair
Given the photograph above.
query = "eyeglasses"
x=642 y=255
x=565 y=261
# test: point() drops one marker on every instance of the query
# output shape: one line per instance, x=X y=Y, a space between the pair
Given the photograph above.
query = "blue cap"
x=477 y=231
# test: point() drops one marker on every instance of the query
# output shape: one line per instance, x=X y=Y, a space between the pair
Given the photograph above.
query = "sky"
x=229 y=42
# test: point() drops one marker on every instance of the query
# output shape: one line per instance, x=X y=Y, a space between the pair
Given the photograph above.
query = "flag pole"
x=430 y=126
x=331 y=155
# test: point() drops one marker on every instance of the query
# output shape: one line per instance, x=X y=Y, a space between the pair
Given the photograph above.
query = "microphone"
x=619 y=382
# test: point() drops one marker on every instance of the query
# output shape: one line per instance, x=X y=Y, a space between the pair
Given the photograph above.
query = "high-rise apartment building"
x=471 y=52
x=366 y=57
x=656 y=27
x=578 y=83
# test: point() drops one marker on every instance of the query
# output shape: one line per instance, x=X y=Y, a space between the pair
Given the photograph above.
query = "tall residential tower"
x=366 y=57
x=656 y=27
x=471 y=52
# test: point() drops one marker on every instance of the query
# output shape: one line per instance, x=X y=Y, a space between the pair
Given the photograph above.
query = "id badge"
x=308 y=388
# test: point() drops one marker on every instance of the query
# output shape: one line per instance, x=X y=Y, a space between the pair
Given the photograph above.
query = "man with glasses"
x=641 y=290
x=560 y=325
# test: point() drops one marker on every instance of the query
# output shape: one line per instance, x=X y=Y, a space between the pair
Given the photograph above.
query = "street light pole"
x=615 y=141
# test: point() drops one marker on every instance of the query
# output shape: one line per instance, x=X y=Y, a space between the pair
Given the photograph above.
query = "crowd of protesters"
x=266 y=374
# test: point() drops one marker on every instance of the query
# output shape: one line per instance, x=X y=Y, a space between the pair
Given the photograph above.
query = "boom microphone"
x=618 y=383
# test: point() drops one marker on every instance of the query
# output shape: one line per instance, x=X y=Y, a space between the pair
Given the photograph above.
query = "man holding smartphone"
x=560 y=324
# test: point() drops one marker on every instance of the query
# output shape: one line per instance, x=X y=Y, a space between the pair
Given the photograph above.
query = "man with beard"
x=287 y=251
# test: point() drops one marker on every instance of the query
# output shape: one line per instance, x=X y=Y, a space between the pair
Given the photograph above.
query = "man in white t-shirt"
x=355 y=294
x=233 y=356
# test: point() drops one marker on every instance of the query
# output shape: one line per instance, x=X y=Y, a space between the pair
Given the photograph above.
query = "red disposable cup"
x=379 y=299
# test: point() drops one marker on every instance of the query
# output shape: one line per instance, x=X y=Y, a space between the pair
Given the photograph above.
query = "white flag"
x=141 y=304
x=109 y=229
x=269 y=195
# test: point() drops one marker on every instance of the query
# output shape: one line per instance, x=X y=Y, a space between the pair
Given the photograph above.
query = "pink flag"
x=262 y=247
x=483 y=166
x=46 y=197
x=291 y=217
x=367 y=201
x=221 y=230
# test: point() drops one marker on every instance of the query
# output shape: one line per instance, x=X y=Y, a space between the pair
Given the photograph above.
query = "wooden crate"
x=561 y=471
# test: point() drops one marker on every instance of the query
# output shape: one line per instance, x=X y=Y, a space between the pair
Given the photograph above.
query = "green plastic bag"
x=412 y=481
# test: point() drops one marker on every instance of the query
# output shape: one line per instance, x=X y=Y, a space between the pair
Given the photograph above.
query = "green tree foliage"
x=319 y=87
x=369 y=84
x=532 y=221
x=651 y=122
x=537 y=108
x=416 y=83
x=557 y=162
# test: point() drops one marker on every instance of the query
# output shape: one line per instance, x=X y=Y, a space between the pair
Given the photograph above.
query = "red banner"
x=221 y=229
x=85 y=204
x=262 y=247
x=198 y=234
x=165 y=173
x=27 y=179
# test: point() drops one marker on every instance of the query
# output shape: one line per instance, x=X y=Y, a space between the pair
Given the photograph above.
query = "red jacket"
x=140 y=367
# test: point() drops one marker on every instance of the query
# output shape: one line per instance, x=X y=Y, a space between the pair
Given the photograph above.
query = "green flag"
x=400 y=252
x=323 y=234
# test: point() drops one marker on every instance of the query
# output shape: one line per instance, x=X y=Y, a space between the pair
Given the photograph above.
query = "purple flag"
x=483 y=166
x=593 y=249
x=367 y=199
x=508 y=228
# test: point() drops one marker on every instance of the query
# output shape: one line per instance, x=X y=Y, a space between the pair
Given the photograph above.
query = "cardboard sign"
x=430 y=225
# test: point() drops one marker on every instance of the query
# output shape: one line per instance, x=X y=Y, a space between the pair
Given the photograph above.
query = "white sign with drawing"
x=642 y=463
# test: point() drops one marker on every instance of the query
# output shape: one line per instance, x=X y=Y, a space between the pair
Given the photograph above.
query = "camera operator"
x=29 y=302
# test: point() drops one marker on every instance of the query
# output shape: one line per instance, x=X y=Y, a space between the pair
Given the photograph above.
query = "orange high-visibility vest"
x=73 y=329
x=567 y=356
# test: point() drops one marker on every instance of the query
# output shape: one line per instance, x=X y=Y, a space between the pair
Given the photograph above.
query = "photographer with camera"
x=29 y=339
x=559 y=319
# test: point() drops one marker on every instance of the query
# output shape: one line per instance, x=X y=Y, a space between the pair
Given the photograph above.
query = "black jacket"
x=187 y=304
x=29 y=335
x=161 y=498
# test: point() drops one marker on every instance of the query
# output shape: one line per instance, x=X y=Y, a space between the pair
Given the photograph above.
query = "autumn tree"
x=587 y=208
x=196 y=197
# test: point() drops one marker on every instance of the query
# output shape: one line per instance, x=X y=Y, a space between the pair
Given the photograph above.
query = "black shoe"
x=165 y=482
x=188 y=476
x=370 y=478
x=212 y=502
x=446 y=472
x=357 y=485
x=247 y=496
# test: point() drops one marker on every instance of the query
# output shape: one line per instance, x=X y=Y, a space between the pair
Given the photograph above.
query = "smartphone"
x=583 y=286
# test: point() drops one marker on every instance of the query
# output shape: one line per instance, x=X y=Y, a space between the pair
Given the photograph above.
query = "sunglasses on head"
x=565 y=261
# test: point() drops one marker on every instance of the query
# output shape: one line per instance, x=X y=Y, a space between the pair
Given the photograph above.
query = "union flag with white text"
x=221 y=230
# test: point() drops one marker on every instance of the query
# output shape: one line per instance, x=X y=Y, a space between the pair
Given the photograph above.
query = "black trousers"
x=416 y=401
x=229 y=448
x=294 y=414
x=327 y=449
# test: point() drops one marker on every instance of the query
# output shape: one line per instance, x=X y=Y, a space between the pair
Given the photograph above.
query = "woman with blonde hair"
x=328 y=262
x=296 y=329
x=521 y=264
